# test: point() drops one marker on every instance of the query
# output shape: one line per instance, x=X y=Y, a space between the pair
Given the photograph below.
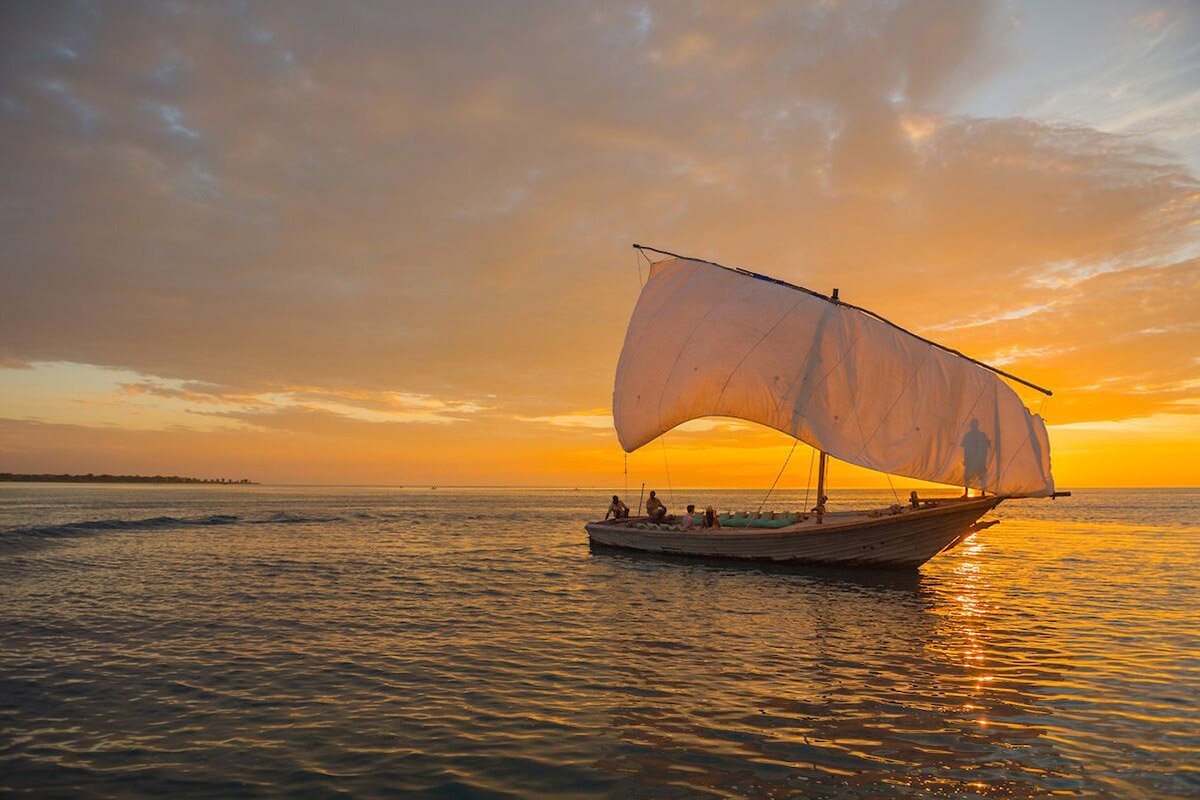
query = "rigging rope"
x=893 y=488
x=637 y=260
x=1021 y=447
x=858 y=421
x=808 y=482
x=626 y=474
x=780 y=475
x=667 y=469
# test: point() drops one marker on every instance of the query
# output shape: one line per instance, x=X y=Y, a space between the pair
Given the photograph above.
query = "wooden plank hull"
x=904 y=540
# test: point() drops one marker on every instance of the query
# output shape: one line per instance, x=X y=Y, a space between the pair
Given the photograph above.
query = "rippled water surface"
x=466 y=643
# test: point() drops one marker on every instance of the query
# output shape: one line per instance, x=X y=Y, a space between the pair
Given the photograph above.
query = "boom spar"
x=866 y=311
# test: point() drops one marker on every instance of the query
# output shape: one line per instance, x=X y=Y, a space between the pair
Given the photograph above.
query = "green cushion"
x=768 y=520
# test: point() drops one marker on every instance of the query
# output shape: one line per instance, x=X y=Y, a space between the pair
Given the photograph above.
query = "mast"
x=825 y=456
x=821 y=498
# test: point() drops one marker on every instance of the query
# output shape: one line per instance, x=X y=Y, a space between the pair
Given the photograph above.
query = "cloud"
x=53 y=392
x=283 y=403
x=398 y=211
x=583 y=420
x=1151 y=19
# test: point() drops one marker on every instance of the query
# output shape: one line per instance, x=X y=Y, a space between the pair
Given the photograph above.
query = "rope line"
x=667 y=469
x=1028 y=439
x=892 y=407
x=649 y=264
x=808 y=481
x=721 y=300
x=890 y=486
x=646 y=328
x=828 y=470
x=860 y=309
x=748 y=353
x=780 y=475
x=813 y=387
x=863 y=433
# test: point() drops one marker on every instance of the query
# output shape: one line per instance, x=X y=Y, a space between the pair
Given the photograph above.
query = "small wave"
x=284 y=517
x=93 y=526
x=24 y=537
x=16 y=536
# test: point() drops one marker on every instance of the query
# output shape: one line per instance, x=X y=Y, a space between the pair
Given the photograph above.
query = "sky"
x=389 y=243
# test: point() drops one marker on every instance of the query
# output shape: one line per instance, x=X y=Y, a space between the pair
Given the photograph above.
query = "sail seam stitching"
x=665 y=303
x=753 y=347
x=825 y=377
x=895 y=402
x=866 y=311
x=1017 y=452
x=688 y=340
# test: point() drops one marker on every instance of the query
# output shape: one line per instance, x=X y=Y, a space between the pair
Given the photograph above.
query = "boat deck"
x=903 y=536
x=806 y=521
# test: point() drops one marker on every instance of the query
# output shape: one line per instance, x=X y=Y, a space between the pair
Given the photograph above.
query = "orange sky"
x=391 y=244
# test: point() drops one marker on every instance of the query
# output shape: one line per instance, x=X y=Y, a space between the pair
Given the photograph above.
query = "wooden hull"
x=904 y=540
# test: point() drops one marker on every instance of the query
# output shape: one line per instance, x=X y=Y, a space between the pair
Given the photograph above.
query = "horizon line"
x=427 y=486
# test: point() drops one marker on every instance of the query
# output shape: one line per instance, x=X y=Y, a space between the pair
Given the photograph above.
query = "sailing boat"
x=709 y=340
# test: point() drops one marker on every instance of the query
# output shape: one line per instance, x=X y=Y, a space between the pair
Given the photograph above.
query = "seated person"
x=655 y=508
x=617 y=509
x=710 y=518
x=687 y=521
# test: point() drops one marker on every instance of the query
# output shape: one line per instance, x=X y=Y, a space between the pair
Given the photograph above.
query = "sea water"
x=258 y=641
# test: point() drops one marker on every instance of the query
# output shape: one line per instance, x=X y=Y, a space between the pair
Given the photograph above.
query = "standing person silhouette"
x=975 y=445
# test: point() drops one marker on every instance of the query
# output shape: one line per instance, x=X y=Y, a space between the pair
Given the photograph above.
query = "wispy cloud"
x=587 y=420
x=416 y=217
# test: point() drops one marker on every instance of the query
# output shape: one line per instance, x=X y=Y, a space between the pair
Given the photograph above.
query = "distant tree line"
x=13 y=477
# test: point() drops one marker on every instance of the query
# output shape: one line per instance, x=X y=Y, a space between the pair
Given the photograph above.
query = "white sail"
x=709 y=341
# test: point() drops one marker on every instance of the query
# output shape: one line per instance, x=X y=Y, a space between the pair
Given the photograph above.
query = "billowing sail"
x=709 y=341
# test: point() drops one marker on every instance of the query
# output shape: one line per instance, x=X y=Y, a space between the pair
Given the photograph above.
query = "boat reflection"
x=909 y=579
x=827 y=680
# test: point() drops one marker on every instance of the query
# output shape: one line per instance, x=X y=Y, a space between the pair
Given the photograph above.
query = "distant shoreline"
x=13 y=477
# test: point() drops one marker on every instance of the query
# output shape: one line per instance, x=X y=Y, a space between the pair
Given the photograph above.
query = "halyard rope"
x=667 y=469
x=780 y=475
x=808 y=482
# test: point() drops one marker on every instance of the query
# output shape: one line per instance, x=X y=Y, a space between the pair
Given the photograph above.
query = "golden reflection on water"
x=875 y=665
x=971 y=613
x=357 y=641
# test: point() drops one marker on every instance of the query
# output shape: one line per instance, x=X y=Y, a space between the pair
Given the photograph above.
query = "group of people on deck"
x=656 y=510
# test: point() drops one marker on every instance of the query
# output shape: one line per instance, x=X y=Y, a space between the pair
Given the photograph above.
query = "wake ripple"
x=22 y=538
